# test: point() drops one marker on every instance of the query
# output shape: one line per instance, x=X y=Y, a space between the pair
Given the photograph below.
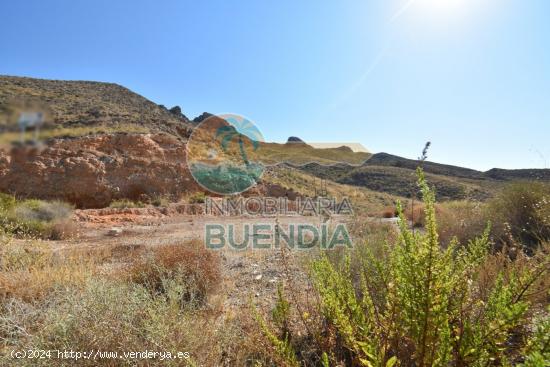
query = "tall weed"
x=417 y=303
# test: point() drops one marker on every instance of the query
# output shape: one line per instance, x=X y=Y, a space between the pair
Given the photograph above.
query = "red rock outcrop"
x=92 y=171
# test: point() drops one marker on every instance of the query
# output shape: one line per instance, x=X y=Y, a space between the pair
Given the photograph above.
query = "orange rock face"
x=92 y=171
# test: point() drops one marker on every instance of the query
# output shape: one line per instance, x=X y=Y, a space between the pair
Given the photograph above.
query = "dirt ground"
x=247 y=274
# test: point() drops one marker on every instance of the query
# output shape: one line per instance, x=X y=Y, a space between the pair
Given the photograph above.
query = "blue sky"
x=472 y=76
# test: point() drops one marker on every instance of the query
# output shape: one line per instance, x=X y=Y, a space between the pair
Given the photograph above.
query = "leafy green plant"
x=281 y=343
x=538 y=347
x=418 y=303
x=160 y=201
x=197 y=198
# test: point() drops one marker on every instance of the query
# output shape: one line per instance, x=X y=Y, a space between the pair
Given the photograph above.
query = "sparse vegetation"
x=36 y=218
x=193 y=267
x=198 y=197
x=60 y=301
x=421 y=304
x=521 y=213
x=7 y=138
x=438 y=296
x=84 y=106
x=364 y=201
x=31 y=273
x=126 y=203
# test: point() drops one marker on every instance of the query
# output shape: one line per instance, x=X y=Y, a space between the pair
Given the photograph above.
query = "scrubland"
x=451 y=284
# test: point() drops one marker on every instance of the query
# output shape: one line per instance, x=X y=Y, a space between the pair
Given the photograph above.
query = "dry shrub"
x=190 y=263
x=416 y=213
x=116 y=316
x=31 y=273
x=389 y=212
x=63 y=229
x=520 y=213
x=33 y=218
x=462 y=220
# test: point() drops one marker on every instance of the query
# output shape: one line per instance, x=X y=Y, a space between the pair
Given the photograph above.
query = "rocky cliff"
x=92 y=171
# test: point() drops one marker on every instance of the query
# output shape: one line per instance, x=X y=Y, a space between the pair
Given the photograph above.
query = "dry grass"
x=7 y=138
x=363 y=200
x=79 y=300
x=31 y=272
x=519 y=216
x=521 y=213
x=190 y=263
x=463 y=220
x=36 y=218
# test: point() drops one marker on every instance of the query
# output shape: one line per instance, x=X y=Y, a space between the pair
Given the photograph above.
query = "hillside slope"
x=77 y=104
x=92 y=127
x=396 y=175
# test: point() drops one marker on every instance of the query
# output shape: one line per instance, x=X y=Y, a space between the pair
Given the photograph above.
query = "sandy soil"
x=248 y=274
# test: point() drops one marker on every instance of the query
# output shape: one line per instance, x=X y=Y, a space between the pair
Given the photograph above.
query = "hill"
x=83 y=104
x=396 y=175
x=91 y=129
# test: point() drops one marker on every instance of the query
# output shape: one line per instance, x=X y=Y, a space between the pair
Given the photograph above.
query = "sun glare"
x=443 y=7
x=438 y=10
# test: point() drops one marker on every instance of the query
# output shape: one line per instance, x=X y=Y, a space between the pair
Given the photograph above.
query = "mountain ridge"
x=101 y=109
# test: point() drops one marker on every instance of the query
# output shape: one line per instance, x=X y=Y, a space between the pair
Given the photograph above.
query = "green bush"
x=197 y=198
x=36 y=218
x=160 y=201
x=420 y=303
x=538 y=348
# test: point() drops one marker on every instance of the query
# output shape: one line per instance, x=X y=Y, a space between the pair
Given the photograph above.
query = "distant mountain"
x=294 y=139
x=91 y=113
x=389 y=160
x=396 y=175
x=518 y=174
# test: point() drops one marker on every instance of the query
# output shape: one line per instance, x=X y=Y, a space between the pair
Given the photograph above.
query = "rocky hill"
x=77 y=104
x=103 y=142
x=92 y=171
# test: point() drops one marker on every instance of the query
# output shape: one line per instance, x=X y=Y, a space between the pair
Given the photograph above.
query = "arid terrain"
x=102 y=248
x=246 y=273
